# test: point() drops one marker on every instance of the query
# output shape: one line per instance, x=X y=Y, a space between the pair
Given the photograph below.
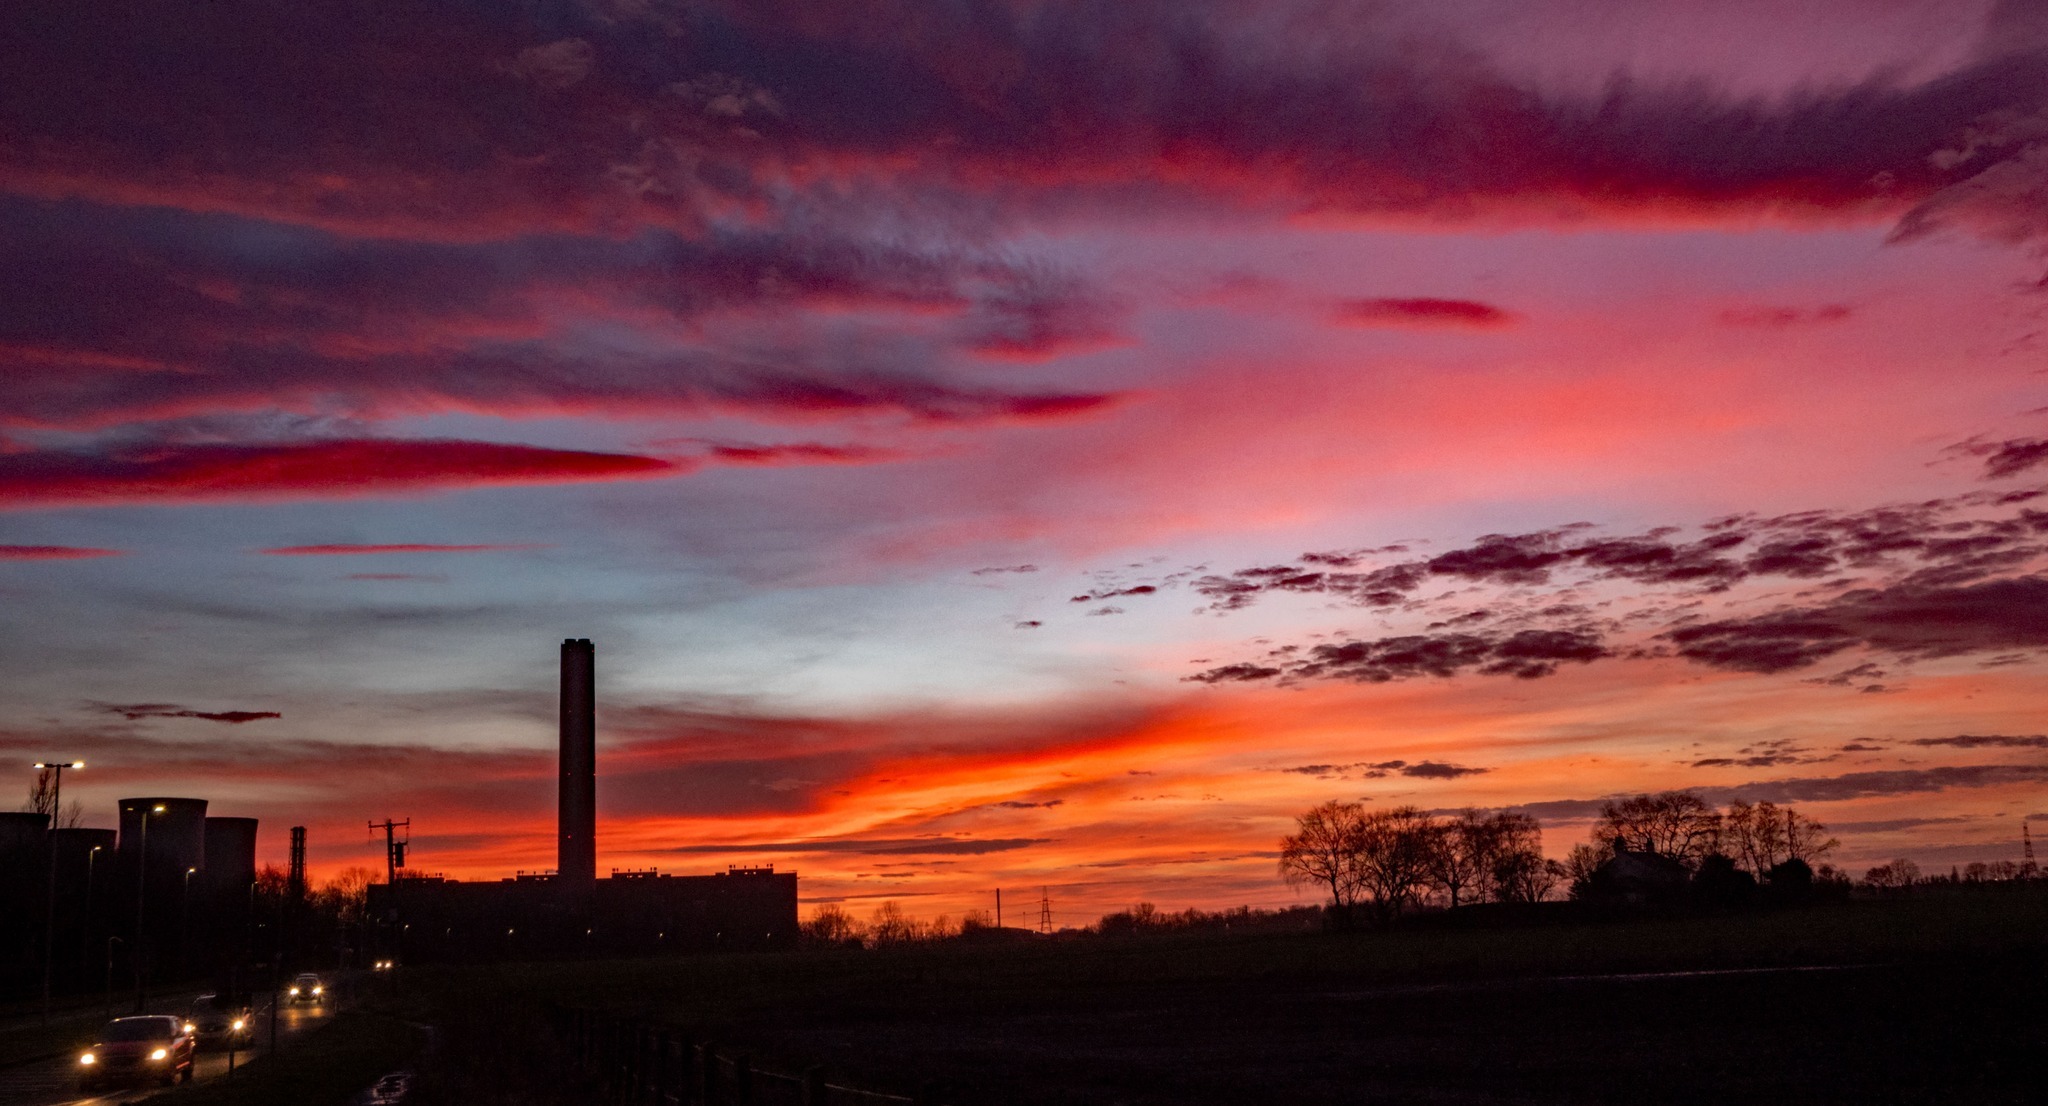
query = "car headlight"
x=316 y=990
x=189 y=1027
x=88 y=1059
x=295 y=990
x=238 y=1025
x=159 y=1054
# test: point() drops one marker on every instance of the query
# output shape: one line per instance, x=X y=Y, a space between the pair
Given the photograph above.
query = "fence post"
x=636 y=1093
x=686 y=1071
x=650 y=1083
x=622 y=1059
x=815 y=1091
x=708 y=1059
x=743 y=1080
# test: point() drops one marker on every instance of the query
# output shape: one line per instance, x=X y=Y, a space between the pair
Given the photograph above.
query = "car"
x=136 y=1050
x=219 y=1020
x=306 y=987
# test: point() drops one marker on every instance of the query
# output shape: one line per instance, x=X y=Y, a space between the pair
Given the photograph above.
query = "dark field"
x=1929 y=999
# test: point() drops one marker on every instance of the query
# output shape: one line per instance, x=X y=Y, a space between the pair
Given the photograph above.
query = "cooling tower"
x=230 y=853
x=75 y=845
x=177 y=834
x=22 y=832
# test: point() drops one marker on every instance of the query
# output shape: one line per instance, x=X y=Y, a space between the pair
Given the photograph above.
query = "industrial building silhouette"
x=171 y=896
x=571 y=912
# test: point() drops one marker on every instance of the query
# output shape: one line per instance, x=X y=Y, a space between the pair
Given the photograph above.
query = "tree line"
x=1383 y=862
x=1386 y=861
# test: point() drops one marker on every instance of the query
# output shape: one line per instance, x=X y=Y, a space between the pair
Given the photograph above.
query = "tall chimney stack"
x=576 y=809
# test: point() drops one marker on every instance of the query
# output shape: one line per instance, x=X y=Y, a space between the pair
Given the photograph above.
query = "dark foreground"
x=1930 y=1000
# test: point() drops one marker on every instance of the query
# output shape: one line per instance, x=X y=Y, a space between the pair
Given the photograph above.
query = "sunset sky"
x=995 y=443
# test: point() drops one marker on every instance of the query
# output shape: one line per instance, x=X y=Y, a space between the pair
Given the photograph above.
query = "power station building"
x=571 y=912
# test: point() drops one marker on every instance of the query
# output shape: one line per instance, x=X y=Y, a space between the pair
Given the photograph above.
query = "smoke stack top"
x=576 y=810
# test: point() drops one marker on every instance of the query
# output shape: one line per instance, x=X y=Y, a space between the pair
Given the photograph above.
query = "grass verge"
x=327 y=1067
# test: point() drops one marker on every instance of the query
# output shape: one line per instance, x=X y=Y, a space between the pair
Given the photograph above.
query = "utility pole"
x=56 y=769
x=999 y=908
x=394 y=846
x=2028 y=869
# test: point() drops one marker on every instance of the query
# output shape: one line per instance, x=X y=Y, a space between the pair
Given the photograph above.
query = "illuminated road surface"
x=55 y=1082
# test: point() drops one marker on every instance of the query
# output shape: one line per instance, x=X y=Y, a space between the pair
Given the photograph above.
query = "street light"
x=141 y=883
x=56 y=769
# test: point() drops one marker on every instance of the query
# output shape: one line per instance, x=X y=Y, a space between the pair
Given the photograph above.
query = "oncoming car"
x=219 y=1020
x=135 y=1050
x=306 y=987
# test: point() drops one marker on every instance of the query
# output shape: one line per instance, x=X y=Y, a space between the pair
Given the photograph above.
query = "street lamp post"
x=56 y=769
x=112 y=940
x=141 y=884
x=185 y=922
x=85 y=930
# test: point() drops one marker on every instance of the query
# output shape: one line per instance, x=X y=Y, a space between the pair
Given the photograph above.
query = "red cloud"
x=437 y=123
x=138 y=711
x=800 y=453
x=53 y=553
x=1779 y=317
x=346 y=468
x=346 y=550
x=1425 y=313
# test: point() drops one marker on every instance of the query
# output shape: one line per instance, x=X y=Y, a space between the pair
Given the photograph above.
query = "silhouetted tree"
x=1582 y=866
x=1897 y=875
x=1138 y=919
x=888 y=925
x=43 y=799
x=1495 y=856
x=1461 y=854
x=1324 y=850
x=1720 y=884
x=976 y=921
x=1675 y=824
x=1762 y=835
x=344 y=897
x=830 y=924
x=1518 y=872
x=1394 y=849
x=272 y=887
x=1790 y=879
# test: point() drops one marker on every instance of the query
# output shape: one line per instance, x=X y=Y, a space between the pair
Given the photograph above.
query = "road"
x=55 y=1082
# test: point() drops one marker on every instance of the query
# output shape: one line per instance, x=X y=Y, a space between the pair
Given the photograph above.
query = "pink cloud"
x=1779 y=317
x=799 y=453
x=337 y=469
x=54 y=553
x=349 y=550
x=1424 y=313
